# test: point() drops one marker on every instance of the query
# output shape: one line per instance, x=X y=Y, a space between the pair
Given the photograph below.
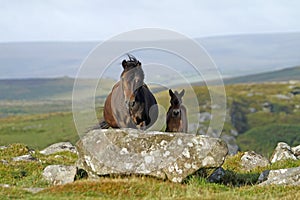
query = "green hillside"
x=38 y=131
x=286 y=74
x=41 y=109
x=264 y=138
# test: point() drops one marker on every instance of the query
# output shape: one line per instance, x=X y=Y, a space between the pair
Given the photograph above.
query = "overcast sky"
x=84 y=20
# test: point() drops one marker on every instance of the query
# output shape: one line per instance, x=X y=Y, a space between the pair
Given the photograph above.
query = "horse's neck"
x=119 y=91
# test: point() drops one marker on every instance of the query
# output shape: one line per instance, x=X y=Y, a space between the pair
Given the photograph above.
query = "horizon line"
x=198 y=37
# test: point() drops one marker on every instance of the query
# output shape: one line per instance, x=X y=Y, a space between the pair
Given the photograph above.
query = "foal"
x=177 y=115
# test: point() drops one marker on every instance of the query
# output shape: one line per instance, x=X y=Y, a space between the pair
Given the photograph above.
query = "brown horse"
x=177 y=115
x=130 y=103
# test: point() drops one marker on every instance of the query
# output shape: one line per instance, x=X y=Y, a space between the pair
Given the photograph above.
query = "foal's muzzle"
x=176 y=112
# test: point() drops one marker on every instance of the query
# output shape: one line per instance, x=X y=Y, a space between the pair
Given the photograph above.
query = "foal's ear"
x=182 y=93
x=124 y=64
x=171 y=93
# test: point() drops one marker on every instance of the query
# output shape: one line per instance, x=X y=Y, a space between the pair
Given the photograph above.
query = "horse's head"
x=132 y=78
x=176 y=100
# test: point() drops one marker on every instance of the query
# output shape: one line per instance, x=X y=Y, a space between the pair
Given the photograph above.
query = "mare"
x=176 y=115
x=130 y=104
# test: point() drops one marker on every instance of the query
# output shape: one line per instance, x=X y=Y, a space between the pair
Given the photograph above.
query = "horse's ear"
x=171 y=93
x=139 y=63
x=182 y=93
x=124 y=64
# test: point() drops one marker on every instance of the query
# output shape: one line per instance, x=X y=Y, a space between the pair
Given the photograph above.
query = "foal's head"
x=176 y=100
x=132 y=78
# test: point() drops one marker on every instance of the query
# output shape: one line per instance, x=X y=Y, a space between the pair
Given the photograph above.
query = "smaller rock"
x=60 y=174
x=204 y=116
x=252 y=110
x=263 y=176
x=5 y=185
x=3 y=147
x=267 y=107
x=217 y=175
x=4 y=162
x=295 y=91
x=289 y=176
x=27 y=158
x=282 y=152
x=33 y=190
x=58 y=156
x=283 y=97
x=234 y=132
x=251 y=160
x=59 y=147
x=250 y=94
x=296 y=151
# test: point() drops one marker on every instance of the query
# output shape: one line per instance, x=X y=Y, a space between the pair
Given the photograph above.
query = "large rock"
x=60 y=174
x=282 y=152
x=59 y=147
x=251 y=160
x=289 y=176
x=164 y=155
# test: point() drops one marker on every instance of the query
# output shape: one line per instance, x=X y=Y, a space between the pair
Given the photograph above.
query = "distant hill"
x=234 y=55
x=61 y=88
x=30 y=89
x=286 y=74
x=45 y=88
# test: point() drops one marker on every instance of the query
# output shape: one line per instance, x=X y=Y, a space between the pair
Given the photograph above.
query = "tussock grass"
x=237 y=184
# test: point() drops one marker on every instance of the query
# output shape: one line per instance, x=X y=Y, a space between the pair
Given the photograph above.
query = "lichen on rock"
x=162 y=155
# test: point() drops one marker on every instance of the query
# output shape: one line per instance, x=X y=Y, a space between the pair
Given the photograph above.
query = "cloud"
x=75 y=20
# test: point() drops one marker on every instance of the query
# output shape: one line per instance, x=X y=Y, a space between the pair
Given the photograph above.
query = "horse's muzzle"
x=129 y=103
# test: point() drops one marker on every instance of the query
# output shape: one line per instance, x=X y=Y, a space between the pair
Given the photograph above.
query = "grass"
x=23 y=120
x=39 y=124
x=265 y=138
x=264 y=128
x=28 y=174
x=38 y=131
x=149 y=188
x=13 y=108
x=20 y=175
